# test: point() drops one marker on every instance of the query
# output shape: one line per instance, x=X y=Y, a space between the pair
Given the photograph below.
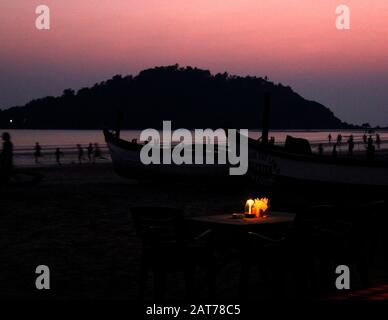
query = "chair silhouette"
x=322 y=238
x=366 y=225
x=380 y=211
x=166 y=247
x=298 y=251
x=348 y=236
x=307 y=244
x=378 y=223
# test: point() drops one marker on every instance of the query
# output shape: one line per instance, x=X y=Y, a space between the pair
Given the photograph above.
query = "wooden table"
x=230 y=237
x=226 y=220
x=228 y=231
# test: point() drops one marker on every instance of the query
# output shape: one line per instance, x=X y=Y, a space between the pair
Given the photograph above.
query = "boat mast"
x=265 y=117
x=118 y=124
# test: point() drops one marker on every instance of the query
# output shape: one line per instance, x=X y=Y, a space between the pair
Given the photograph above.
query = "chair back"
x=367 y=222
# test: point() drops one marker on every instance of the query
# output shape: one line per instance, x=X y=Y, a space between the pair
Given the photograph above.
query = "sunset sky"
x=294 y=42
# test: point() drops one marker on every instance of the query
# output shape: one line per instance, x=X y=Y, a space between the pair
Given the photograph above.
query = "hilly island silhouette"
x=189 y=97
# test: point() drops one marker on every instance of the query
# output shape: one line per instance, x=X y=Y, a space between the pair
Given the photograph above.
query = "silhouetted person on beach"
x=38 y=152
x=58 y=155
x=339 y=139
x=378 y=140
x=272 y=141
x=364 y=138
x=90 y=152
x=329 y=137
x=6 y=157
x=370 y=150
x=320 y=149
x=80 y=153
x=351 y=145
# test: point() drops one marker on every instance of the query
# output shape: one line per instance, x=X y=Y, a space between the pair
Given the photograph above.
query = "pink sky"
x=294 y=42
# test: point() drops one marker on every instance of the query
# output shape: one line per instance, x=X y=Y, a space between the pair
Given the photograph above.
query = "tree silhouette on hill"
x=190 y=97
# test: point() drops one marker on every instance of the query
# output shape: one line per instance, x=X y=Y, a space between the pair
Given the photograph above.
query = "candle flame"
x=248 y=206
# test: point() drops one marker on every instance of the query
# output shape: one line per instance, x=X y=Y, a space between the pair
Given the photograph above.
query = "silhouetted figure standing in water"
x=6 y=157
x=339 y=139
x=320 y=149
x=80 y=153
x=90 y=152
x=329 y=137
x=378 y=140
x=364 y=138
x=58 y=155
x=351 y=144
x=38 y=152
x=370 y=150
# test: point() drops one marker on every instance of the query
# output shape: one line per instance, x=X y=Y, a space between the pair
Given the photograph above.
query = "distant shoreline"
x=383 y=129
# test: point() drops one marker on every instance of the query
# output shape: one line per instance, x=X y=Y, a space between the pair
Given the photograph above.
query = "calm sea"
x=24 y=141
x=69 y=138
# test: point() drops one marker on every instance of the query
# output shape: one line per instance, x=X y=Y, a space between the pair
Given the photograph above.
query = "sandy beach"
x=77 y=222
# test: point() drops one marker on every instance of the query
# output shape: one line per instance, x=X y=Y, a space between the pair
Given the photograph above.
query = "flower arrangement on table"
x=256 y=208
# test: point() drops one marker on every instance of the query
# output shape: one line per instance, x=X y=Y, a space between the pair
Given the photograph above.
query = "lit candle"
x=248 y=206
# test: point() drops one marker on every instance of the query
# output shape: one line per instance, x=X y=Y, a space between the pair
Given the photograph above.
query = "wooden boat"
x=126 y=161
x=295 y=164
x=268 y=163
